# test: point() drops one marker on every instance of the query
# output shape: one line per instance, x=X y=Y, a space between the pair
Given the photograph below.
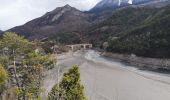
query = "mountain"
x=62 y=20
x=114 y=4
x=154 y=4
x=150 y=39
x=124 y=19
x=1 y=31
x=68 y=25
x=118 y=23
x=108 y=4
x=66 y=20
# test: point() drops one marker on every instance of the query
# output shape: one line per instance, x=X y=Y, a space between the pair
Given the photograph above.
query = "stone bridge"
x=79 y=46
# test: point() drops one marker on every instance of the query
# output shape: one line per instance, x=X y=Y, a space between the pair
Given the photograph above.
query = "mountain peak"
x=67 y=6
x=109 y=4
x=60 y=20
x=113 y=4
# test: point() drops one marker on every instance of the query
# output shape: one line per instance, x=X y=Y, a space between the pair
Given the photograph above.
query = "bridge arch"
x=79 y=46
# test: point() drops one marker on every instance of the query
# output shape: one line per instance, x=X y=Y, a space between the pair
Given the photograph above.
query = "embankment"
x=155 y=64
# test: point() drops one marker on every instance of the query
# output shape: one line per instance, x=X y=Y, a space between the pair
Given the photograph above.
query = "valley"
x=114 y=50
x=127 y=29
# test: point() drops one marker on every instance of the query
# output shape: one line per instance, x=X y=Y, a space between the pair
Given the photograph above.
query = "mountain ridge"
x=53 y=22
x=78 y=24
x=64 y=19
x=115 y=4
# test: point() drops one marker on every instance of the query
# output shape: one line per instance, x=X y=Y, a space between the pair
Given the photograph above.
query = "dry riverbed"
x=108 y=80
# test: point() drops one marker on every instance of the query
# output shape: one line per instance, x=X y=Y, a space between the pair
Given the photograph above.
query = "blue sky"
x=18 y=12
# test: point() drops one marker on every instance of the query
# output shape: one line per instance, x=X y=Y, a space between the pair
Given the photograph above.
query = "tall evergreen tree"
x=69 y=88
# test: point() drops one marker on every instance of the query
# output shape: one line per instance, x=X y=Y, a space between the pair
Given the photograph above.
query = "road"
x=104 y=79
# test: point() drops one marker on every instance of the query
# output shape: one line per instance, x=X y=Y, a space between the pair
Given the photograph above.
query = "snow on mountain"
x=113 y=4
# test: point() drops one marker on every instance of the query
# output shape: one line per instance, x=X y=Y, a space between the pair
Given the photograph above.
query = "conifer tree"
x=69 y=88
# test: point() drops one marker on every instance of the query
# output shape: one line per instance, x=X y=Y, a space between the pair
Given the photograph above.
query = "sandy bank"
x=141 y=62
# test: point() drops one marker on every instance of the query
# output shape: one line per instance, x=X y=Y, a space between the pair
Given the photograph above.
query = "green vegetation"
x=69 y=88
x=22 y=71
x=65 y=38
x=3 y=75
x=143 y=31
x=150 y=39
x=121 y=21
x=24 y=65
x=3 y=80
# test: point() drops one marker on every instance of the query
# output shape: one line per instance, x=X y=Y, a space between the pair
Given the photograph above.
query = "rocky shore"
x=143 y=63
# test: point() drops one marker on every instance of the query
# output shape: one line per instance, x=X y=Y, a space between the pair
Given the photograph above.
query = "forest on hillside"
x=150 y=39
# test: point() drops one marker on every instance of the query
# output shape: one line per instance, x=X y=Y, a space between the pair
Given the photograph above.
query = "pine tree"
x=69 y=88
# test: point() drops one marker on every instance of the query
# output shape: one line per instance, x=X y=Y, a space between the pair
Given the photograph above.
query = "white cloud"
x=18 y=12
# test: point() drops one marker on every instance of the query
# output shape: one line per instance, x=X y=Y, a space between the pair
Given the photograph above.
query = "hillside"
x=151 y=39
x=63 y=20
x=77 y=23
x=1 y=31
x=69 y=25
x=120 y=21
